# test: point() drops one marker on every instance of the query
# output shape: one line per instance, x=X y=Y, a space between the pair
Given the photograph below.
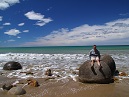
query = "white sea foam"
x=60 y=64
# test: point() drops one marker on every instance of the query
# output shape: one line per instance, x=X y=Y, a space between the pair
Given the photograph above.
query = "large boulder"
x=95 y=74
x=12 y=65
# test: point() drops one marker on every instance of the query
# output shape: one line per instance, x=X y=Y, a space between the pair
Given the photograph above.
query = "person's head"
x=94 y=47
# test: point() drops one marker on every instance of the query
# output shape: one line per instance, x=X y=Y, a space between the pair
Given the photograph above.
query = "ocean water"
x=64 y=61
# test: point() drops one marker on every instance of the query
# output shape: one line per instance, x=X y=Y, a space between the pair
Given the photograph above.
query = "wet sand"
x=69 y=88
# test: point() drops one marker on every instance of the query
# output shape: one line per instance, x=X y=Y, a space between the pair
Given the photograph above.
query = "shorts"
x=94 y=58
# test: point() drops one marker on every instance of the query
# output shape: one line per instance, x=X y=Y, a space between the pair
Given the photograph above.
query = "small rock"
x=17 y=91
x=48 y=72
x=7 y=86
x=122 y=74
x=1 y=73
x=27 y=73
x=115 y=79
x=58 y=75
x=33 y=82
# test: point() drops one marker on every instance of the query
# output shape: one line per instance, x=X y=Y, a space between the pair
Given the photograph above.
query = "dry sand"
x=70 y=88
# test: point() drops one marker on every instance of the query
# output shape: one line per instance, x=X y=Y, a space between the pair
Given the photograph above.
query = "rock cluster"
x=17 y=88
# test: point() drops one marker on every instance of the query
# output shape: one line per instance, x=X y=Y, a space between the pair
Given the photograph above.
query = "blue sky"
x=64 y=22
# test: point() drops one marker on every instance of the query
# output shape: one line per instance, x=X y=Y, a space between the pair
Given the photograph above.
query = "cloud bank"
x=114 y=32
x=7 y=3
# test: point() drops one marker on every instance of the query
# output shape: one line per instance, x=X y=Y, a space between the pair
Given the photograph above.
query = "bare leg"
x=92 y=63
x=98 y=62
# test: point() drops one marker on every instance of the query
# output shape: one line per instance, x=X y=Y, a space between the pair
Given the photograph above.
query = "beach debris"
x=96 y=75
x=48 y=72
x=33 y=82
x=17 y=91
x=12 y=65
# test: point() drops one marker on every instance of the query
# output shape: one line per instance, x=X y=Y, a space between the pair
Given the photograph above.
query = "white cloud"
x=1 y=18
x=12 y=32
x=21 y=24
x=34 y=16
x=26 y=31
x=7 y=3
x=115 y=32
x=6 y=24
x=41 y=21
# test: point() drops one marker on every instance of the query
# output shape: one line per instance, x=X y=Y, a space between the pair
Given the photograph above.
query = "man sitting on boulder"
x=95 y=56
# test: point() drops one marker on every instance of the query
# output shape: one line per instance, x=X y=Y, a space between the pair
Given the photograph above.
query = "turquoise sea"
x=63 y=49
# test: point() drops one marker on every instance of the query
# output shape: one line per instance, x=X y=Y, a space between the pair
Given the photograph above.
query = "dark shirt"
x=94 y=53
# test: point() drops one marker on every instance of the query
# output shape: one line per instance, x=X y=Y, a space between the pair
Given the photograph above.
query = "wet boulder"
x=12 y=65
x=96 y=74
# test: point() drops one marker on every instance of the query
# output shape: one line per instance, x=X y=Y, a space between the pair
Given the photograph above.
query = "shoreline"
x=69 y=88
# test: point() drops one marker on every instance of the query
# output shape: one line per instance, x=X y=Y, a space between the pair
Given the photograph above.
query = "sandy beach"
x=63 y=82
x=69 y=88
